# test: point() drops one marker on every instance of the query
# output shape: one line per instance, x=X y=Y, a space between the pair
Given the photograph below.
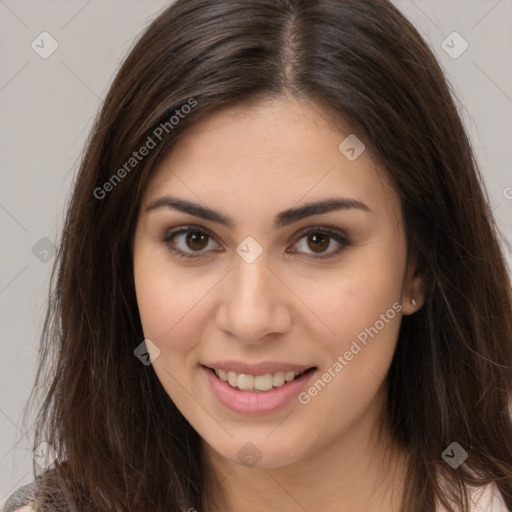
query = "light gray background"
x=47 y=107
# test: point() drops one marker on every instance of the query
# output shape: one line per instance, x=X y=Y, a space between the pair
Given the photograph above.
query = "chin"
x=259 y=452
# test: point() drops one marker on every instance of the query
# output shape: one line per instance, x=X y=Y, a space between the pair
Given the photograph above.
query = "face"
x=245 y=271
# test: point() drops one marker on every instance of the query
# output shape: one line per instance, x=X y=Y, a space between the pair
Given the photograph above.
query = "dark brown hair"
x=122 y=443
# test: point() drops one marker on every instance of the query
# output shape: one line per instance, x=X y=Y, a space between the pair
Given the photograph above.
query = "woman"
x=280 y=286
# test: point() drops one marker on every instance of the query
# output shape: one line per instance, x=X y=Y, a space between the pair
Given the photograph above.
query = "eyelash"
x=336 y=235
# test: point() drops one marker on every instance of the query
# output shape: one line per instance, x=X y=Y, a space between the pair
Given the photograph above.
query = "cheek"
x=353 y=297
x=354 y=362
x=360 y=311
x=171 y=303
x=154 y=298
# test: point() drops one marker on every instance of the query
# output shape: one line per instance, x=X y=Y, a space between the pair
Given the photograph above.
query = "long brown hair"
x=121 y=442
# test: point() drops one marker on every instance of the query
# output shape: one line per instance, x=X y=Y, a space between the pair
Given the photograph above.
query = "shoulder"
x=486 y=498
x=20 y=500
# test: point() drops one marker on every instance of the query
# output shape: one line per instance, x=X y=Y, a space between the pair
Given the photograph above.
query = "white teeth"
x=256 y=382
x=278 y=379
x=288 y=376
x=245 y=381
x=263 y=382
x=232 y=379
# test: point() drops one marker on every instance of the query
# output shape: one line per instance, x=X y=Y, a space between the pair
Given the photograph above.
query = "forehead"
x=277 y=151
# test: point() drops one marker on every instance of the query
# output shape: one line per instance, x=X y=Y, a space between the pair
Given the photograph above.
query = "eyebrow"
x=282 y=219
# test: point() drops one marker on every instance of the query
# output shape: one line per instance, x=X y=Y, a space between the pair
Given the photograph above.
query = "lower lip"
x=254 y=403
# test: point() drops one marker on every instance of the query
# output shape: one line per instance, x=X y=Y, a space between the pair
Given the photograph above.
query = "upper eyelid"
x=188 y=228
x=191 y=227
x=321 y=228
x=330 y=231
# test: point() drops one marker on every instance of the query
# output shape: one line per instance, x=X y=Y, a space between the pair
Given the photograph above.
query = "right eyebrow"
x=282 y=219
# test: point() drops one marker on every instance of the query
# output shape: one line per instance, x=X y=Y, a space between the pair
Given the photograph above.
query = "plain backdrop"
x=47 y=107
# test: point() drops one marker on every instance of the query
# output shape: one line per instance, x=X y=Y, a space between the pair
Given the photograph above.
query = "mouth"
x=256 y=389
x=258 y=383
x=261 y=383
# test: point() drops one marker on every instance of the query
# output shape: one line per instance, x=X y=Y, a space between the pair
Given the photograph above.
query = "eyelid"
x=189 y=228
x=319 y=228
x=336 y=234
x=185 y=229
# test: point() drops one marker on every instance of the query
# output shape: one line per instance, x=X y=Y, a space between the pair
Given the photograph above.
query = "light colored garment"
x=484 y=499
x=20 y=498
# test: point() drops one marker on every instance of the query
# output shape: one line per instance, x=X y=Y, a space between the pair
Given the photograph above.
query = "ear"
x=414 y=287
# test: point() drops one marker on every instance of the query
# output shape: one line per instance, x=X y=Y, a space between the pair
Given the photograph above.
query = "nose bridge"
x=251 y=282
x=252 y=304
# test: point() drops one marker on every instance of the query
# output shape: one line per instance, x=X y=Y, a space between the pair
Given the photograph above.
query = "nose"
x=254 y=303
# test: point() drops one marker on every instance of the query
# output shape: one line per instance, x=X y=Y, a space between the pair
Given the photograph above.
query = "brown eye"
x=196 y=240
x=190 y=242
x=318 y=242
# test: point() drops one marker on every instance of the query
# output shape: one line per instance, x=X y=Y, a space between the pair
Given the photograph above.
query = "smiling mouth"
x=258 y=383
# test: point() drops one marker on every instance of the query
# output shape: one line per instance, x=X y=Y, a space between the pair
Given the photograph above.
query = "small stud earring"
x=413 y=302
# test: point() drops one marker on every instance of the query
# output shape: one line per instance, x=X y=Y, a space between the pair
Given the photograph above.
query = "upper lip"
x=260 y=368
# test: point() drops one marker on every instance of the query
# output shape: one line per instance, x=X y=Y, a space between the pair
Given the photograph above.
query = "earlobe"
x=414 y=291
x=410 y=306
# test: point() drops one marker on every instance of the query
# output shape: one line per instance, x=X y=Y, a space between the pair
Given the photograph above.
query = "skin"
x=250 y=164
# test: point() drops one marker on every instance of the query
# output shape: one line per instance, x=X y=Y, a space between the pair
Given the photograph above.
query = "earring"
x=413 y=302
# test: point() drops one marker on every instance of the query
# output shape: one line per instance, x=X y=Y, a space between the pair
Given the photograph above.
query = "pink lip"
x=256 y=403
x=261 y=368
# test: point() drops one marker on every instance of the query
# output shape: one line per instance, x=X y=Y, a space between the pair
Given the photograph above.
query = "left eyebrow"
x=282 y=219
x=292 y=215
